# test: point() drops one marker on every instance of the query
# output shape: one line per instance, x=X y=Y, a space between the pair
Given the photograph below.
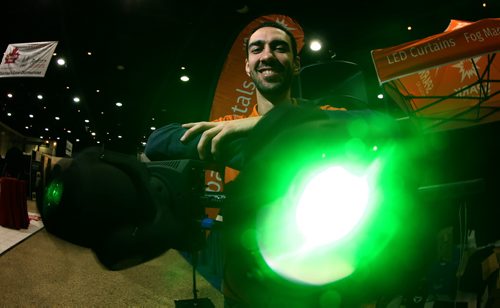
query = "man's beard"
x=273 y=89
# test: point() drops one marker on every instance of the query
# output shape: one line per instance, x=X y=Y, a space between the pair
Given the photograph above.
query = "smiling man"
x=271 y=62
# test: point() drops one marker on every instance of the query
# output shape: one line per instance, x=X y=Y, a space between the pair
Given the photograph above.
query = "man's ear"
x=296 y=65
x=247 y=67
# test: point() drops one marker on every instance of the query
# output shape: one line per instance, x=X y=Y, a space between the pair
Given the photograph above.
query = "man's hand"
x=214 y=134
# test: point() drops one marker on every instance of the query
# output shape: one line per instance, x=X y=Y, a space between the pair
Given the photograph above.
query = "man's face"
x=270 y=61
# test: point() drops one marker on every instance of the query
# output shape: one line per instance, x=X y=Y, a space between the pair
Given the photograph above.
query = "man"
x=272 y=62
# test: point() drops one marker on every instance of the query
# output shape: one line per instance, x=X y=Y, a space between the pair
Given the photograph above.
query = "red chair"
x=13 y=203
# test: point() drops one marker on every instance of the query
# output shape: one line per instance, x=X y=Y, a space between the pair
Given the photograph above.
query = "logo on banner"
x=466 y=68
x=12 y=56
x=27 y=59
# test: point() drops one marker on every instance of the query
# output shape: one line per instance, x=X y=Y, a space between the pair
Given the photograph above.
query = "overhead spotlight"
x=153 y=128
x=409 y=28
x=76 y=99
x=9 y=114
x=380 y=96
x=61 y=61
x=119 y=104
x=9 y=95
x=184 y=78
x=39 y=96
x=57 y=118
x=315 y=45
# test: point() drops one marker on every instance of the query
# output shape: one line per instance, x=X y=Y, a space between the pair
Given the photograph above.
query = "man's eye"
x=256 y=50
x=281 y=48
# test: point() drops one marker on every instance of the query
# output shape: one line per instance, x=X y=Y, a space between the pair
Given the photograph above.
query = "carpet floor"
x=45 y=271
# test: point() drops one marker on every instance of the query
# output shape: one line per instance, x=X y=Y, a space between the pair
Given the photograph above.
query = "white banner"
x=27 y=59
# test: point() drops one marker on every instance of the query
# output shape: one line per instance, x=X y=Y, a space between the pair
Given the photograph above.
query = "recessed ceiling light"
x=57 y=118
x=119 y=104
x=9 y=95
x=39 y=96
x=87 y=121
x=46 y=129
x=61 y=61
x=76 y=99
x=89 y=53
x=315 y=45
x=9 y=114
x=31 y=116
x=184 y=78
x=92 y=133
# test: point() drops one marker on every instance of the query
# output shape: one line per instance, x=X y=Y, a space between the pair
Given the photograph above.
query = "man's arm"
x=215 y=135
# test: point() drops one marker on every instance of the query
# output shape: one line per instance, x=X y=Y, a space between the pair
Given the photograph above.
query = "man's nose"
x=267 y=53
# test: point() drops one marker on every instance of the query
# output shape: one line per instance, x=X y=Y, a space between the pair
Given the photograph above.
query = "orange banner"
x=235 y=92
x=460 y=41
x=448 y=80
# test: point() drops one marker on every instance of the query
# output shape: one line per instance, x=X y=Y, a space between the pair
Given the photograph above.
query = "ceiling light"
x=119 y=137
x=57 y=118
x=9 y=95
x=9 y=114
x=92 y=133
x=87 y=121
x=26 y=127
x=184 y=78
x=315 y=45
x=76 y=99
x=89 y=53
x=409 y=28
x=39 y=96
x=69 y=132
x=77 y=140
x=97 y=90
x=380 y=96
x=61 y=61
x=118 y=104
x=183 y=67
x=46 y=129
x=31 y=116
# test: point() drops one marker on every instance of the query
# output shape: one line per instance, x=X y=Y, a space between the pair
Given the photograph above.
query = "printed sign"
x=27 y=59
x=448 y=80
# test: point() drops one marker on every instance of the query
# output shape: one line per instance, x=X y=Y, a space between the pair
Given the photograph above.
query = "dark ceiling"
x=139 y=46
